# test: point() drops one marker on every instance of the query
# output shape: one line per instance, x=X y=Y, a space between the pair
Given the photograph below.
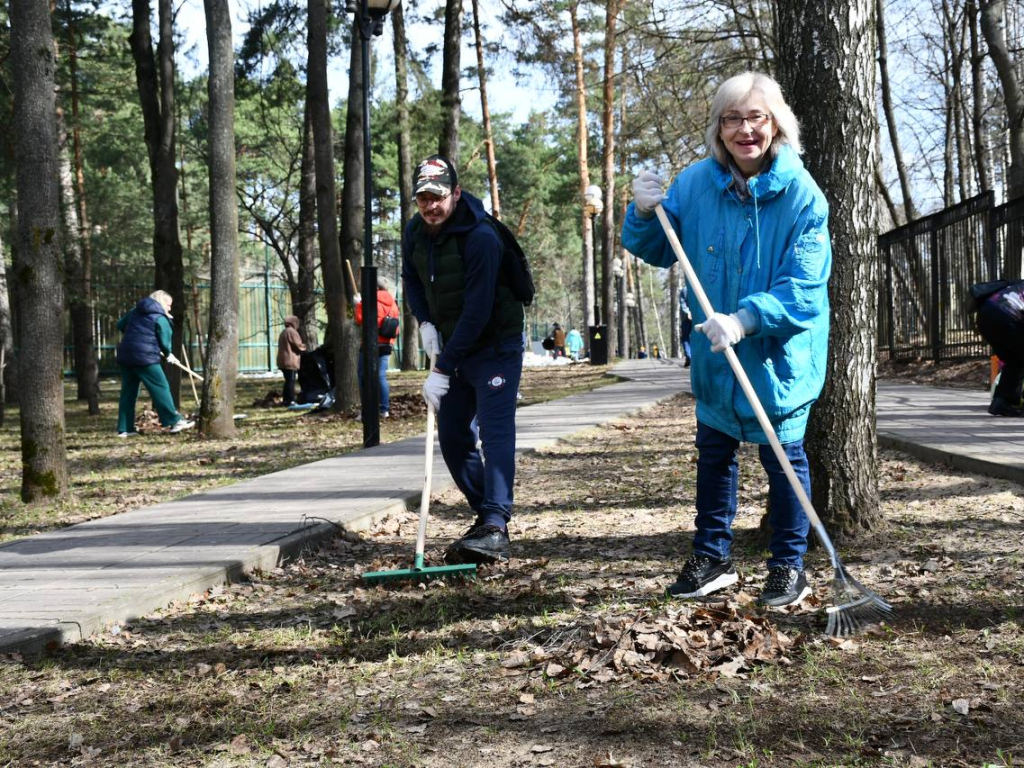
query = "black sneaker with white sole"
x=701 y=576
x=482 y=544
x=784 y=586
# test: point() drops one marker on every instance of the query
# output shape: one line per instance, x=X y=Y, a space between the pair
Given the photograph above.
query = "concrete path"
x=62 y=586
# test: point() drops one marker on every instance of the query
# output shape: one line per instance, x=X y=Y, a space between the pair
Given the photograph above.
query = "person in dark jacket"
x=685 y=324
x=147 y=338
x=1001 y=322
x=387 y=308
x=289 y=347
x=471 y=326
x=558 y=336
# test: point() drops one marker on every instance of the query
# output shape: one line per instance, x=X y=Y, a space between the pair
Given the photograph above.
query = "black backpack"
x=514 y=263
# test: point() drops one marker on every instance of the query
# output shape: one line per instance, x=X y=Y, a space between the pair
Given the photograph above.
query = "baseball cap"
x=435 y=174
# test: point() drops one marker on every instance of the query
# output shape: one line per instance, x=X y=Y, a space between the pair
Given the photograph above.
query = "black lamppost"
x=369 y=20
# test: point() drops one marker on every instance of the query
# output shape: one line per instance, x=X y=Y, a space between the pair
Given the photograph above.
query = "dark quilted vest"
x=445 y=292
x=139 y=345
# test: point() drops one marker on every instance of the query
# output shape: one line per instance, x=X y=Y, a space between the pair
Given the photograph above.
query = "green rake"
x=418 y=572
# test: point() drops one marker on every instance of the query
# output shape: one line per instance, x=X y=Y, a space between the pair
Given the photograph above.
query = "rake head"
x=855 y=606
x=466 y=571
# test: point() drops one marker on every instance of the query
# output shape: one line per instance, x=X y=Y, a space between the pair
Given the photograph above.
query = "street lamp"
x=369 y=20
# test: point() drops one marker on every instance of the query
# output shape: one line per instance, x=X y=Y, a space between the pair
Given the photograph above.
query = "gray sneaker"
x=181 y=426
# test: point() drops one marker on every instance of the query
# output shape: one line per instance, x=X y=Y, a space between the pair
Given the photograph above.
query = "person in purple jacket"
x=471 y=326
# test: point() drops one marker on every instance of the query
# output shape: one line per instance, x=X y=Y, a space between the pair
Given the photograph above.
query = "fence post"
x=934 y=308
x=891 y=303
x=266 y=301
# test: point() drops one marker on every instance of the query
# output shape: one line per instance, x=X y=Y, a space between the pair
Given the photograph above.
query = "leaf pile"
x=713 y=639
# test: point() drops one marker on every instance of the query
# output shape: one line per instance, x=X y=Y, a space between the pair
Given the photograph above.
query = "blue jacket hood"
x=783 y=170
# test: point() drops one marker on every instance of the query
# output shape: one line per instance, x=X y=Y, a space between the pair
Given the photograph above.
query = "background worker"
x=147 y=338
x=387 y=331
x=289 y=347
x=470 y=319
x=1001 y=322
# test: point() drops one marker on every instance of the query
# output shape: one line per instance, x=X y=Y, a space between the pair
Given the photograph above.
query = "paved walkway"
x=62 y=586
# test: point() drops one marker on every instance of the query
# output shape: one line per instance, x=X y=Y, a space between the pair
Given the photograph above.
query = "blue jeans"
x=717 y=478
x=481 y=403
x=382 y=370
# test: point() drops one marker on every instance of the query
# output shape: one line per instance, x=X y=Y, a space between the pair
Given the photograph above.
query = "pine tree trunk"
x=305 y=304
x=353 y=206
x=38 y=255
x=326 y=203
x=451 y=71
x=588 y=296
x=608 y=230
x=221 y=366
x=407 y=206
x=492 y=166
x=156 y=95
x=827 y=69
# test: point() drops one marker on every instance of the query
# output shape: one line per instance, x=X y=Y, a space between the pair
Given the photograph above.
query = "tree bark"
x=305 y=304
x=492 y=165
x=326 y=213
x=451 y=101
x=407 y=206
x=993 y=15
x=982 y=160
x=221 y=365
x=909 y=209
x=608 y=178
x=353 y=207
x=826 y=64
x=44 y=473
x=156 y=95
x=581 y=126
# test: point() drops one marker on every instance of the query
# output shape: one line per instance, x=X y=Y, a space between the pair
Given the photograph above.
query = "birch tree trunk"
x=451 y=101
x=993 y=21
x=44 y=473
x=327 y=222
x=156 y=95
x=827 y=69
x=492 y=166
x=407 y=206
x=221 y=365
x=982 y=160
x=305 y=305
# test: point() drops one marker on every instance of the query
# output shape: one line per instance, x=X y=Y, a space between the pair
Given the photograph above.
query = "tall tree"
x=827 y=68
x=221 y=365
x=993 y=23
x=451 y=71
x=410 y=335
x=909 y=209
x=588 y=296
x=304 y=305
x=608 y=230
x=353 y=211
x=6 y=336
x=44 y=472
x=983 y=163
x=327 y=222
x=492 y=166
x=156 y=95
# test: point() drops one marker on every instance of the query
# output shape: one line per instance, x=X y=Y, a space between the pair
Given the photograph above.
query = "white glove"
x=431 y=342
x=357 y=298
x=722 y=330
x=434 y=388
x=647 y=192
x=172 y=359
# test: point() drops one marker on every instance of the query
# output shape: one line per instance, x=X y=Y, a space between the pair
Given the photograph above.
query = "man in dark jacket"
x=472 y=328
x=1001 y=322
x=289 y=349
x=147 y=338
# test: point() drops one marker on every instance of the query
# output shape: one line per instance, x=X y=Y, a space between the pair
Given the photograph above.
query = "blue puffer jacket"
x=770 y=255
x=147 y=334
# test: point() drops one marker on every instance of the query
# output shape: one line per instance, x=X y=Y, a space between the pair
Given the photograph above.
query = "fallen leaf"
x=240 y=745
x=75 y=742
x=539 y=748
x=961 y=706
x=276 y=761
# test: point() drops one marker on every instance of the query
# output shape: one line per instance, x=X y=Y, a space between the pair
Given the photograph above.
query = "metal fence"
x=927 y=269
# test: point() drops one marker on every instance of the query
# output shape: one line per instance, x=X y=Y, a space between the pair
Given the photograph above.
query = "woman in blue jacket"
x=755 y=226
x=147 y=339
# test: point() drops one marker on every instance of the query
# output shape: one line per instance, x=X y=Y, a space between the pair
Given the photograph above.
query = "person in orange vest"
x=387 y=331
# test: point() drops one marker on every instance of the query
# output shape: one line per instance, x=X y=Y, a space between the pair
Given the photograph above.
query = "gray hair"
x=383 y=284
x=163 y=298
x=735 y=90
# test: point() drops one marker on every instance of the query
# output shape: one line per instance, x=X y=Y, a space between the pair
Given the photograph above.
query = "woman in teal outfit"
x=754 y=224
x=146 y=340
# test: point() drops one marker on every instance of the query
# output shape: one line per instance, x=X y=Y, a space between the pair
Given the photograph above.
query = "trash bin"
x=598 y=344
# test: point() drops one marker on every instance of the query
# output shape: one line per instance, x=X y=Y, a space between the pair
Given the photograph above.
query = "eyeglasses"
x=755 y=120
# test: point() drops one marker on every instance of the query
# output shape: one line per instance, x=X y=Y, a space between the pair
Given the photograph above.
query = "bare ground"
x=568 y=656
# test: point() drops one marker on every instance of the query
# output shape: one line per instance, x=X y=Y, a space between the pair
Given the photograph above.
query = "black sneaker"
x=784 y=586
x=701 y=576
x=1000 y=406
x=482 y=544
